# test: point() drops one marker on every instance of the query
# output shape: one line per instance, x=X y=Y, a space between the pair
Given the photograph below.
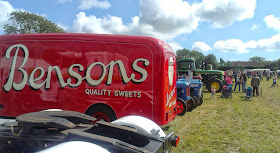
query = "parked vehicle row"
x=107 y=77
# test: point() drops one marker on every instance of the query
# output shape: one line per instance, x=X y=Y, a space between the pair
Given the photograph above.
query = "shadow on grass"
x=166 y=128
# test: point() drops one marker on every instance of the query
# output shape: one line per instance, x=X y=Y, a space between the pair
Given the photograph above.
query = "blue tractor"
x=196 y=82
x=189 y=93
x=184 y=100
x=195 y=90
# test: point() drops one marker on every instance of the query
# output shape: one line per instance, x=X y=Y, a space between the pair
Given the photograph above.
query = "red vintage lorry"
x=105 y=76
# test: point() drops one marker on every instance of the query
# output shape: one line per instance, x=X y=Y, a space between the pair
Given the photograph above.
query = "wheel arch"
x=102 y=105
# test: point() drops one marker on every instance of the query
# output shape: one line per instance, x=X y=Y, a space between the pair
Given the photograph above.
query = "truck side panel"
x=131 y=77
x=122 y=95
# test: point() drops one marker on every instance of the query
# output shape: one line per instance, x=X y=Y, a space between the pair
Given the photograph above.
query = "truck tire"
x=181 y=107
x=217 y=83
x=196 y=103
x=102 y=112
x=190 y=104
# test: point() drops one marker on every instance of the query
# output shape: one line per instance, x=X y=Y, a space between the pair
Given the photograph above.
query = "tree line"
x=222 y=64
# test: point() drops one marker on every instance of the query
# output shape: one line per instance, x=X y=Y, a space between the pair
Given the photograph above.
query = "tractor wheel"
x=217 y=83
x=196 y=102
x=200 y=99
x=181 y=107
x=190 y=104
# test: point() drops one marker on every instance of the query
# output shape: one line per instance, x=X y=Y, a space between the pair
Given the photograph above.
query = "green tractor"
x=209 y=76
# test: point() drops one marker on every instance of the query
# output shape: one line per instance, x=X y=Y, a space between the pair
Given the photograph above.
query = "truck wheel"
x=190 y=104
x=181 y=107
x=217 y=83
x=196 y=103
x=101 y=112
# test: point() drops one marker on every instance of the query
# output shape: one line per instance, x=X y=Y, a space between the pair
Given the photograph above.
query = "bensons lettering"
x=79 y=79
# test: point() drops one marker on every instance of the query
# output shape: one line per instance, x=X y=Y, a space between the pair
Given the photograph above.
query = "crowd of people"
x=239 y=78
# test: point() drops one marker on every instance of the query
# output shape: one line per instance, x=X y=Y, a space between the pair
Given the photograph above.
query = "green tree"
x=257 y=59
x=25 y=22
x=196 y=55
x=222 y=62
x=273 y=65
x=228 y=63
x=183 y=53
x=211 y=59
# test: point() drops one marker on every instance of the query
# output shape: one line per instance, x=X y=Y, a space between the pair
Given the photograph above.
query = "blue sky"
x=229 y=29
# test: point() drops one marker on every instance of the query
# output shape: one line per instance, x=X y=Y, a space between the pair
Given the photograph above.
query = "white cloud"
x=64 y=27
x=254 y=27
x=251 y=44
x=272 y=22
x=175 y=46
x=91 y=24
x=163 y=19
x=6 y=8
x=88 y=4
x=225 y=12
x=64 y=1
x=168 y=18
x=200 y=46
x=232 y=45
x=269 y=44
x=238 y=46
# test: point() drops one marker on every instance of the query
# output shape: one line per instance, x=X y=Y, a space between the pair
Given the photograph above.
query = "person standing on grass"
x=255 y=82
x=244 y=82
x=237 y=81
x=274 y=80
x=267 y=76
x=228 y=80
x=213 y=91
x=260 y=75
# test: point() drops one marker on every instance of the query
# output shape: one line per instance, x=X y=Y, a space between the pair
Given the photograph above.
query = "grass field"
x=231 y=125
